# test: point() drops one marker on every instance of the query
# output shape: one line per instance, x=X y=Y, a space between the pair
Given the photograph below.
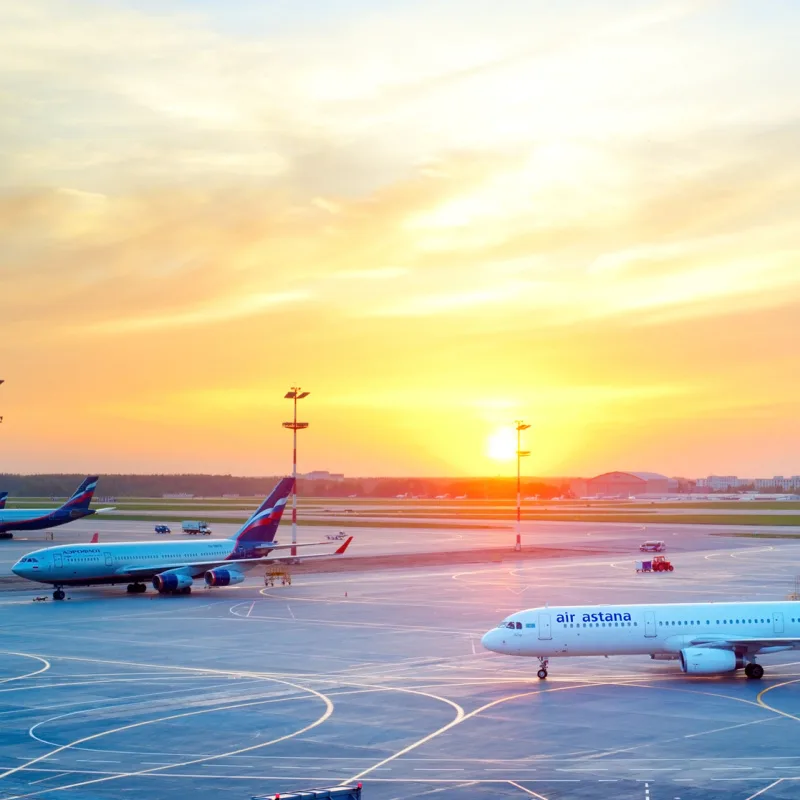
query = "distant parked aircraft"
x=3 y=496
x=34 y=519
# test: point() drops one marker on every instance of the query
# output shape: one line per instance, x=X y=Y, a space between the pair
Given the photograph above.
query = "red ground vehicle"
x=658 y=564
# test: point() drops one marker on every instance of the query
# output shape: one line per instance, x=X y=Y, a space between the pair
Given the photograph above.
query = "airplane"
x=461 y=497
x=707 y=638
x=34 y=519
x=3 y=496
x=336 y=537
x=172 y=566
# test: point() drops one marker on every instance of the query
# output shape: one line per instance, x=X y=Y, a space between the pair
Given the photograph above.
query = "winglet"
x=344 y=546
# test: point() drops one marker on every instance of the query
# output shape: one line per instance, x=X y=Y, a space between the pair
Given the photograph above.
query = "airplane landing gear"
x=754 y=671
x=542 y=673
x=58 y=594
x=136 y=588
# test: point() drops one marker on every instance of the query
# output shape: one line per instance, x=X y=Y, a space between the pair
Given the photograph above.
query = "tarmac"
x=379 y=676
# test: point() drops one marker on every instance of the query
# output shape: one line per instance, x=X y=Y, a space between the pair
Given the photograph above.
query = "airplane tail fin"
x=263 y=525
x=95 y=539
x=3 y=496
x=82 y=497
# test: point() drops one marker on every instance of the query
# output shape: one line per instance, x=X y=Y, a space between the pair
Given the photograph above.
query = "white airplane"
x=707 y=638
x=336 y=537
x=172 y=566
x=461 y=497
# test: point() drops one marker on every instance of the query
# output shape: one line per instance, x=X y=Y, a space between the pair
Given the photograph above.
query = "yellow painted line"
x=760 y=700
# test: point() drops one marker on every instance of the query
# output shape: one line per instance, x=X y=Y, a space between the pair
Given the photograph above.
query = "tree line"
x=63 y=485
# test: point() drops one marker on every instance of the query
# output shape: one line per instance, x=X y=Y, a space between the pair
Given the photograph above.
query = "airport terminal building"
x=627 y=484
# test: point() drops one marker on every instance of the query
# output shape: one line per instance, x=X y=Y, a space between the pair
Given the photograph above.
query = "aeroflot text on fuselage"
x=600 y=616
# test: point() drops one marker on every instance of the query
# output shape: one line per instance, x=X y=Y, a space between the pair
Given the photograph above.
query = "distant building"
x=177 y=496
x=626 y=484
x=323 y=475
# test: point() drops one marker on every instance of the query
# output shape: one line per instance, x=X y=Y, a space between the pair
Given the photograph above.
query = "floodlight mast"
x=521 y=426
x=294 y=395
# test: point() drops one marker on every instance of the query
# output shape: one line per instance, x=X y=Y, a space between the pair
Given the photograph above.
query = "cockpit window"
x=519 y=626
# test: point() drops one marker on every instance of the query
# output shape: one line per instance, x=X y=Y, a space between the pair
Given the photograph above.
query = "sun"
x=502 y=444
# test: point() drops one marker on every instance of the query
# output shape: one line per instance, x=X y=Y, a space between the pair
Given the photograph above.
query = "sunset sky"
x=436 y=216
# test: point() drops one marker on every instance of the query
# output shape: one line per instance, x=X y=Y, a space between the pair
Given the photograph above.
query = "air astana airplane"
x=707 y=638
x=34 y=519
x=172 y=566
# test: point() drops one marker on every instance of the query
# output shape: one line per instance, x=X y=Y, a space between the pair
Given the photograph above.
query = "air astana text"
x=600 y=616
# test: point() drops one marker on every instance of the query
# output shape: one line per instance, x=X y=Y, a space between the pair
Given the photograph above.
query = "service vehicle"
x=162 y=529
x=653 y=546
x=194 y=527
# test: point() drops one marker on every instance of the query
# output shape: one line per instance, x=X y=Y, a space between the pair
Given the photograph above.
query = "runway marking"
x=765 y=789
x=328 y=712
x=462 y=718
x=29 y=674
x=528 y=791
x=289 y=609
x=760 y=699
x=58 y=774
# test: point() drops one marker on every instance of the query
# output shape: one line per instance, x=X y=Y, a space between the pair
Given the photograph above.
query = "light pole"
x=295 y=394
x=521 y=426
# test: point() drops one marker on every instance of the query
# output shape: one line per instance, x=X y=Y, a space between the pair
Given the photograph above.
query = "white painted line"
x=438 y=769
x=725 y=769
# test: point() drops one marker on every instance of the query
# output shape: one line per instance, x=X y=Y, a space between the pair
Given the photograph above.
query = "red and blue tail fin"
x=263 y=525
x=3 y=496
x=82 y=497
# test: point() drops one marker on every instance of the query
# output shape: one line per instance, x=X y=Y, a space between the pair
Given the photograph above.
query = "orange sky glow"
x=438 y=218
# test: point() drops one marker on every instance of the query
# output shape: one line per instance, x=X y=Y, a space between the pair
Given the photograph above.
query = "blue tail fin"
x=82 y=497
x=3 y=496
x=263 y=525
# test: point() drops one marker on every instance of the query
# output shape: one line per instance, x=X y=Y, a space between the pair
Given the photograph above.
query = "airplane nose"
x=489 y=641
x=19 y=570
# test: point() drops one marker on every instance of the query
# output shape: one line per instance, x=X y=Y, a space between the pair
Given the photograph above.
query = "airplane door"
x=650 y=624
x=109 y=560
x=57 y=562
x=544 y=627
x=777 y=623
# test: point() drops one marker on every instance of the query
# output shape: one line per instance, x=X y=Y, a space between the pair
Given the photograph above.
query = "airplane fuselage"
x=36 y=519
x=95 y=565
x=638 y=629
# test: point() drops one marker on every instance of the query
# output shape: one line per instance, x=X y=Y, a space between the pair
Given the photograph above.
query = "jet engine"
x=223 y=577
x=709 y=661
x=171 y=582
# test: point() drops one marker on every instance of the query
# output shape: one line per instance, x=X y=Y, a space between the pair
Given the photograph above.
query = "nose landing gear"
x=542 y=673
x=58 y=594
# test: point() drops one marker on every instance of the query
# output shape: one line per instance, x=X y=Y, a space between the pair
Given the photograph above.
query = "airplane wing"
x=199 y=567
x=751 y=645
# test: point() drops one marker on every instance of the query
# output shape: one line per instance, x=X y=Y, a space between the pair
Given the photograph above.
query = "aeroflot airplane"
x=707 y=638
x=34 y=519
x=172 y=566
x=3 y=496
